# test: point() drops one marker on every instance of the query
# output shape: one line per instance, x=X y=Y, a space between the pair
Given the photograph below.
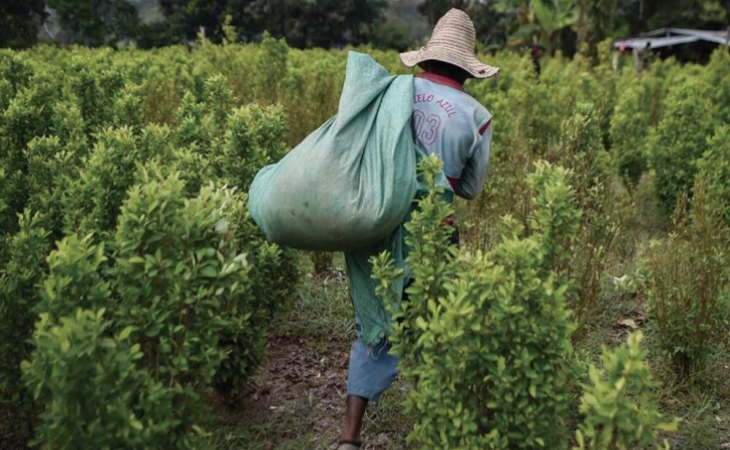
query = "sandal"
x=349 y=445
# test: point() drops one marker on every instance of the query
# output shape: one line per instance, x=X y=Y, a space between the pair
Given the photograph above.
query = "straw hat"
x=453 y=41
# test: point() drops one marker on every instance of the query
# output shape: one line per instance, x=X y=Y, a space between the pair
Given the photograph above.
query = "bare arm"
x=474 y=174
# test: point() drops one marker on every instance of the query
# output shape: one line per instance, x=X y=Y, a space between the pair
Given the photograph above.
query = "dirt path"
x=298 y=401
x=300 y=390
x=298 y=396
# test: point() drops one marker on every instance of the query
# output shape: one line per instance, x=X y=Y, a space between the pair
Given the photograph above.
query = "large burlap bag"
x=350 y=183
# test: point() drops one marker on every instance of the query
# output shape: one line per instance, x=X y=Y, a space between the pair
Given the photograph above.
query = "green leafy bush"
x=67 y=125
x=75 y=279
x=15 y=71
x=581 y=146
x=253 y=139
x=592 y=174
x=4 y=211
x=29 y=113
x=680 y=139
x=11 y=198
x=50 y=169
x=273 y=274
x=689 y=284
x=93 y=199
x=74 y=133
x=77 y=124
x=96 y=392
x=718 y=76
x=19 y=280
x=95 y=83
x=618 y=404
x=182 y=293
x=128 y=109
x=714 y=169
x=273 y=278
x=271 y=64
x=484 y=338
x=629 y=129
x=182 y=284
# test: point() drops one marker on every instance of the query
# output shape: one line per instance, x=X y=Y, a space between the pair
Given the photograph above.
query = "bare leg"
x=354 y=412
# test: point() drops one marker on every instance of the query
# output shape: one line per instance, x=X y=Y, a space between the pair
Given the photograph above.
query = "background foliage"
x=396 y=24
x=122 y=197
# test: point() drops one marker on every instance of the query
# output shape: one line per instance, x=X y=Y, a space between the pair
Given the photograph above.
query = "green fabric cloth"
x=374 y=319
x=351 y=182
x=350 y=185
x=375 y=322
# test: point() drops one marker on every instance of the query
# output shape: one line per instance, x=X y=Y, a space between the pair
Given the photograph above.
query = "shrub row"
x=132 y=280
x=485 y=337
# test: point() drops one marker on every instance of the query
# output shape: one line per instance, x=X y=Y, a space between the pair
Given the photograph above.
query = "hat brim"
x=469 y=63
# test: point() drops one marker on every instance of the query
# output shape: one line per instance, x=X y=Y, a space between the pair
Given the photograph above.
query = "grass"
x=234 y=432
x=702 y=403
x=321 y=308
x=386 y=425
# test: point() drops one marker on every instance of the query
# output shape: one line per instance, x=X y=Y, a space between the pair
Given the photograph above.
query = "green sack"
x=351 y=182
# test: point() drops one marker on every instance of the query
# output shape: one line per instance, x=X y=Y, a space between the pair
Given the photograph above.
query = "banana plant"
x=542 y=18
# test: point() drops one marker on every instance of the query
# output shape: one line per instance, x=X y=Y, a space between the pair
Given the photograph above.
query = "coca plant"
x=484 y=338
x=19 y=279
x=619 y=407
x=74 y=133
x=591 y=176
x=689 y=284
x=126 y=348
x=714 y=169
x=628 y=133
x=97 y=393
x=680 y=139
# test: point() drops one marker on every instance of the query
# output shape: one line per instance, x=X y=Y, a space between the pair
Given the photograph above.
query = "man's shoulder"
x=480 y=108
x=476 y=110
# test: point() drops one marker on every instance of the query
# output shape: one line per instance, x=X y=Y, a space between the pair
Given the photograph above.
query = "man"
x=642 y=58
x=536 y=52
x=446 y=121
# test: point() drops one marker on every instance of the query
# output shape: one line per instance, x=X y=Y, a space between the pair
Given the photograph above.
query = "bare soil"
x=302 y=381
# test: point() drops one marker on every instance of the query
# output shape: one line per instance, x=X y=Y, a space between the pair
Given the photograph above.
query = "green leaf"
x=108 y=343
x=209 y=272
x=136 y=424
x=126 y=332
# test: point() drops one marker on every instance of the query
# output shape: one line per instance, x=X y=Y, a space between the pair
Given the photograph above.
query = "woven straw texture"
x=453 y=41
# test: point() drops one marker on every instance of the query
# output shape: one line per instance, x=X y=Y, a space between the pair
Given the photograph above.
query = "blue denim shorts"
x=372 y=370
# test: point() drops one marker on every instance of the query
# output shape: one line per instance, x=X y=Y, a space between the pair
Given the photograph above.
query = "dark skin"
x=354 y=412
x=446 y=70
x=355 y=406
